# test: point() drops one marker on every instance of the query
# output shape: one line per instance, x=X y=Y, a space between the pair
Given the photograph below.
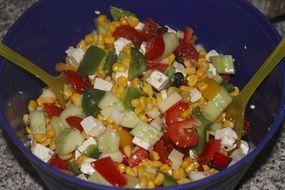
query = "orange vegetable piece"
x=213 y=88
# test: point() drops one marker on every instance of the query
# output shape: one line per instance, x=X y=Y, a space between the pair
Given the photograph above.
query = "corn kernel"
x=135 y=82
x=202 y=54
x=89 y=39
x=118 y=67
x=41 y=101
x=40 y=138
x=122 y=81
x=116 y=23
x=150 y=184
x=120 y=92
x=213 y=171
x=204 y=64
x=196 y=164
x=126 y=62
x=228 y=123
x=202 y=86
x=200 y=73
x=186 y=113
x=102 y=20
x=186 y=162
x=123 y=21
x=154 y=155
x=148 y=89
x=178 y=174
x=109 y=40
x=127 y=50
x=50 y=132
x=100 y=117
x=52 y=145
x=127 y=150
x=135 y=102
x=183 y=180
x=164 y=167
x=111 y=28
x=205 y=167
x=185 y=88
x=138 y=110
x=157 y=163
x=47 y=142
x=133 y=21
x=100 y=40
x=32 y=106
x=81 y=44
x=192 y=80
x=80 y=160
x=235 y=92
x=201 y=102
x=171 y=58
x=34 y=143
x=122 y=167
x=26 y=119
x=158 y=97
x=76 y=99
x=109 y=121
x=143 y=181
x=143 y=118
x=66 y=157
x=158 y=180
x=190 y=168
x=85 y=135
x=129 y=171
x=190 y=70
x=187 y=63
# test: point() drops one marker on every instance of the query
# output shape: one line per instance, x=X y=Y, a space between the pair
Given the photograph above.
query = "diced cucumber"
x=109 y=99
x=170 y=73
x=91 y=60
x=71 y=110
x=58 y=126
x=99 y=179
x=130 y=119
x=168 y=180
x=37 y=122
x=116 y=156
x=109 y=62
x=74 y=168
x=171 y=42
x=217 y=105
x=149 y=134
x=138 y=65
x=167 y=103
x=67 y=141
x=216 y=126
x=90 y=100
x=92 y=151
x=131 y=181
x=130 y=94
x=117 y=13
x=108 y=141
x=217 y=78
x=223 y=63
x=204 y=125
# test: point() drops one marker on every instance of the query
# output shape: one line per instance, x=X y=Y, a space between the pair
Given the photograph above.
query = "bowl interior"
x=47 y=30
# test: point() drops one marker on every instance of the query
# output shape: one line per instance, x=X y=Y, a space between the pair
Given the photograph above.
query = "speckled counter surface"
x=267 y=173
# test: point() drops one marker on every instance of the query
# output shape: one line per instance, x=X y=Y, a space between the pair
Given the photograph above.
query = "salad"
x=145 y=107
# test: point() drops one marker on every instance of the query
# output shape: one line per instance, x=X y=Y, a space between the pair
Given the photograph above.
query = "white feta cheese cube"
x=157 y=79
x=82 y=176
x=142 y=48
x=101 y=84
x=210 y=54
x=196 y=175
x=47 y=93
x=212 y=71
x=92 y=126
x=228 y=138
x=153 y=112
x=92 y=77
x=141 y=143
x=192 y=154
x=139 y=26
x=112 y=113
x=42 y=152
x=75 y=53
x=179 y=68
x=195 y=95
x=120 y=43
x=176 y=158
x=170 y=29
x=86 y=167
x=86 y=144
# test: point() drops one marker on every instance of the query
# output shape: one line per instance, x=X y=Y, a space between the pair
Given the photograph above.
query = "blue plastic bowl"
x=45 y=31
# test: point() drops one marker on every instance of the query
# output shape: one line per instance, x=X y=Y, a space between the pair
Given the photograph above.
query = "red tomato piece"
x=161 y=150
x=154 y=47
x=127 y=32
x=107 y=168
x=221 y=160
x=156 y=66
x=182 y=133
x=173 y=112
x=74 y=121
x=187 y=51
x=56 y=162
x=188 y=35
x=151 y=29
x=78 y=83
x=137 y=156
x=52 y=110
x=210 y=149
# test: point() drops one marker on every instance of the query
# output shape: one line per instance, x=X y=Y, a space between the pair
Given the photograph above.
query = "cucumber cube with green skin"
x=117 y=13
x=111 y=58
x=92 y=152
x=224 y=64
x=74 y=168
x=92 y=59
x=90 y=100
x=130 y=94
x=138 y=66
x=168 y=180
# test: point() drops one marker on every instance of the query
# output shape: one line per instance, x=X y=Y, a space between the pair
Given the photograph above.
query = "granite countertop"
x=267 y=172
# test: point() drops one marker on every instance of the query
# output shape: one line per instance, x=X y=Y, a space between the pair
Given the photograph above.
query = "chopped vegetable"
x=117 y=13
x=90 y=101
x=138 y=64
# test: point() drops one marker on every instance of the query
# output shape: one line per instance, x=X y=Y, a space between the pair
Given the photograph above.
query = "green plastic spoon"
x=55 y=83
x=236 y=110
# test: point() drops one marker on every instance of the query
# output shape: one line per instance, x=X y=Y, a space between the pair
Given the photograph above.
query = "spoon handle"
x=24 y=63
x=276 y=56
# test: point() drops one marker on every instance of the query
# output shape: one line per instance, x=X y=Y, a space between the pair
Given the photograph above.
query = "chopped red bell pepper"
x=221 y=160
x=210 y=149
x=151 y=29
x=56 y=162
x=154 y=47
x=187 y=51
x=161 y=150
x=156 y=66
x=129 y=33
x=173 y=112
x=75 y=122
x=137 y=156
x=52 y=110
x=107 y=168
x=78 y=82
x=188 y=35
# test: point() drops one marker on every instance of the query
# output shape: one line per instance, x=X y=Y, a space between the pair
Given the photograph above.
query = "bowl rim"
x=241 y=5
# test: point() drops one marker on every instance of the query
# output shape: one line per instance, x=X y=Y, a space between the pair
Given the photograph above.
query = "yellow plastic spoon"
x=55 y=83
x=236 y=110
